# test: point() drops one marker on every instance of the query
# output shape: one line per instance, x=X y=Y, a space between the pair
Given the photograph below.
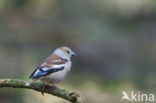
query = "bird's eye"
x=68 y=51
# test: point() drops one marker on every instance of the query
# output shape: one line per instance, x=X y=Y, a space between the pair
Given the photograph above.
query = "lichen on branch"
x=16 y=83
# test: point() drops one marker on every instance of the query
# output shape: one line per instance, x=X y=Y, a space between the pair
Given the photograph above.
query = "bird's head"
x=64 y=52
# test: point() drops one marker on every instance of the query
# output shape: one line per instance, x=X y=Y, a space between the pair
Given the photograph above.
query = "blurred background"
x=115 y=42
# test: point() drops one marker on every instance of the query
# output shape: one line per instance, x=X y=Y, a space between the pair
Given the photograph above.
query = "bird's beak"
x=73 y=54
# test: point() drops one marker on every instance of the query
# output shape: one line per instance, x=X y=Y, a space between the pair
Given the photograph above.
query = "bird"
x=54 y=68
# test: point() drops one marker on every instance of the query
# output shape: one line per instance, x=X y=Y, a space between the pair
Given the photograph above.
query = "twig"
x=16 y=83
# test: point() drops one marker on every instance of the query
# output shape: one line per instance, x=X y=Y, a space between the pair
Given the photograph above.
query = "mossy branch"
x=16 y=83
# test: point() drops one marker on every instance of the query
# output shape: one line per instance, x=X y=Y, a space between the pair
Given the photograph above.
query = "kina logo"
x=140 y=97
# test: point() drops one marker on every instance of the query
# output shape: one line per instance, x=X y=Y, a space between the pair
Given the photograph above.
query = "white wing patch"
x=41 y=71
x=58 y=66
x=37 y=71
x=59 y=60
x=45 y=68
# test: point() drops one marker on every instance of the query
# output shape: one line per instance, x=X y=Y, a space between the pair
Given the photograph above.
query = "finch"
x=54 y=68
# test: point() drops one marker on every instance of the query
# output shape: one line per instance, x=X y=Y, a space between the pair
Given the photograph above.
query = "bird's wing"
x=42 y=71
x=49 y=66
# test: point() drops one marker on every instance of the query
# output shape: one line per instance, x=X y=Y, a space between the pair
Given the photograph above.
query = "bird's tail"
x=29 y=82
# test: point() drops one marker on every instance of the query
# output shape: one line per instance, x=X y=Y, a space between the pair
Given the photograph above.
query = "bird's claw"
x=54 y=87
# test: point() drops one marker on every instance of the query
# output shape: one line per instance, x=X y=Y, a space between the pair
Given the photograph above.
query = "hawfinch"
x=54 y=68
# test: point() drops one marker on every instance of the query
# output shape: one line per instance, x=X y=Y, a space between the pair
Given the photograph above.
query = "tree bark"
x=16 y=83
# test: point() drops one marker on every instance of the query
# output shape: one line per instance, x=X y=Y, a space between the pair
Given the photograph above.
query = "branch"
x=16 y=83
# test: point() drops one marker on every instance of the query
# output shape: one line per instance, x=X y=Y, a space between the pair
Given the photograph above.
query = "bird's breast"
x=58 y=76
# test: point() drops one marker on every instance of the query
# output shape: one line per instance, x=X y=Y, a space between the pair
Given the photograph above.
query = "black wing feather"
x=43 y=73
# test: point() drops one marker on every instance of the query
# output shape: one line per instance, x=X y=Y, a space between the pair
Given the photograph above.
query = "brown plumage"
x=54 y=68
x=55 y=59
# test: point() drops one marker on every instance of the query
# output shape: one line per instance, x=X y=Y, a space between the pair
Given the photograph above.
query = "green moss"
x=15 y=83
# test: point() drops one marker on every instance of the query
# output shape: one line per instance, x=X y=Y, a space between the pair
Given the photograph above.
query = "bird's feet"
x=44 y=86
x=54 y=87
